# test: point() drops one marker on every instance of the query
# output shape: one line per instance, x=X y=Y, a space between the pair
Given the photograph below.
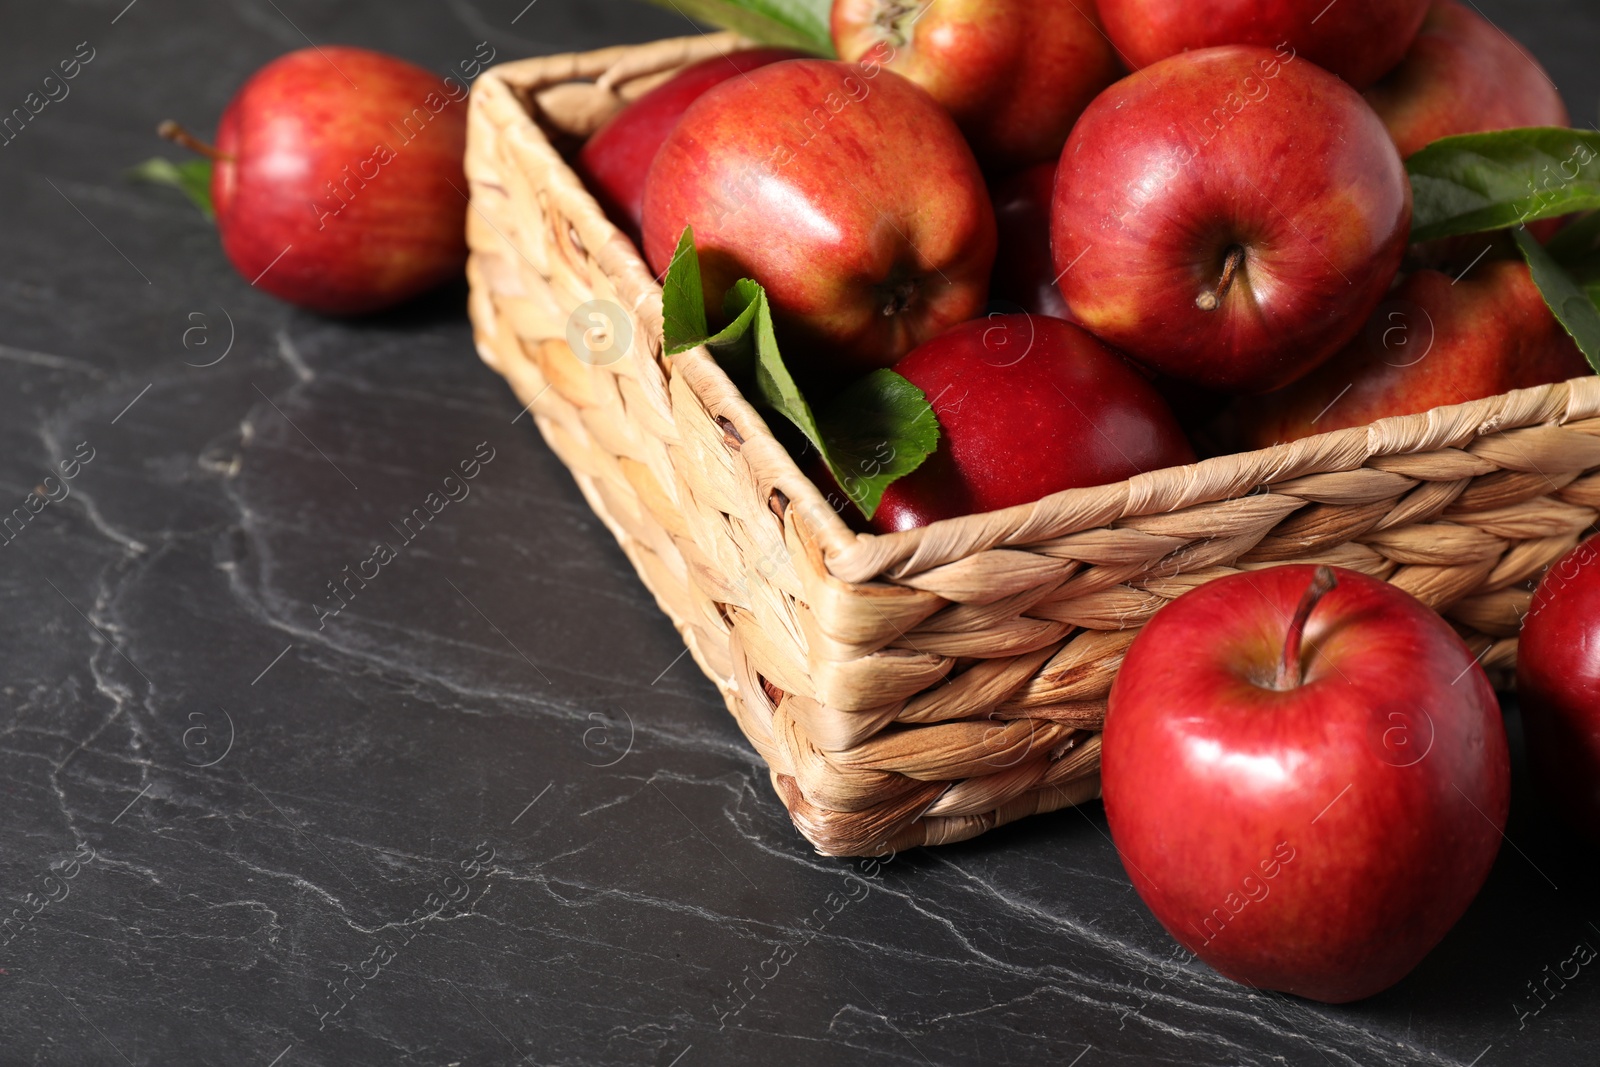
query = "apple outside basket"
x=923 y=687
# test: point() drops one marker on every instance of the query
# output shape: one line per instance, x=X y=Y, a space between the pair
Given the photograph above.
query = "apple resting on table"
x=1558 y=685
x=1229 y=217
x=338 y=184
x=1463 y=75
x=1015 y=74
x=1434 y=341
x=1359 y=40
x=1306 y=781
x=846 y=192
x=616 y=158
x=1027 y=406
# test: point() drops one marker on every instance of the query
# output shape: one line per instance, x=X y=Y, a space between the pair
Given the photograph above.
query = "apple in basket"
x=1027 y=406
x=1015 y=74
x=1359 y=40
x=1306 y=777
x=337 y=179
x=842 y=188
x=1558 y=681
x=1438 y=339
x=616 y=158
x=1463 y=75
x=1229 y=217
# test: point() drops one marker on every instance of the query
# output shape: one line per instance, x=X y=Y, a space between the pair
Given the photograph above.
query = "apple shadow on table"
x=1535 y=908
x=444 y=304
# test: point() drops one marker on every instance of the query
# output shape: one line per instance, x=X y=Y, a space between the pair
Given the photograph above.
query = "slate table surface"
x=490 y=814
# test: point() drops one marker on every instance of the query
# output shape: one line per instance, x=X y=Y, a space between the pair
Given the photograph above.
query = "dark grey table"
x=490 y=813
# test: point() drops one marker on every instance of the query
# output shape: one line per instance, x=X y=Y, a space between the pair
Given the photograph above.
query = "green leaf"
x=1590 y=284
x=879 y=429
x=758 y=353
x=1493 y=181
x=683 y=305
x=192 y=178
x=1573 y=307
x=799 y=24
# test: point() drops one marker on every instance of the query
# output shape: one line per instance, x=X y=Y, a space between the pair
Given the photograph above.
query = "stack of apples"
x=1225 y=227
x=1305 y=769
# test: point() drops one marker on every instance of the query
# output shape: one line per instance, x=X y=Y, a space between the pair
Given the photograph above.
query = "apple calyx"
x=178 y=135
x=895 y=19
x=1291 y=674
x=1211 y=299
x=899 y=296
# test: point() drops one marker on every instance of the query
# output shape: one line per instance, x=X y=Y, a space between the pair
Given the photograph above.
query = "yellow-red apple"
x=1015 y=74
x=1463 y=74
x=1435 y=340
x=842 y=188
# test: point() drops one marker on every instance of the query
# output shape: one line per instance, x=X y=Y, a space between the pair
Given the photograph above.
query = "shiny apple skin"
x=615 y=160
x=1558 y=686
x=871 y=228
x=1149 y=199
x=1385 y=774
x=292 y=129
x=1463 y=75
x=1015 y=74
x=1024 y=273
x=1434 y=341
x=1359 y=40
x=1027 y=406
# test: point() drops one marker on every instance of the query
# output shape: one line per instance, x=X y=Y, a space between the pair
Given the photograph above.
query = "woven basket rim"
x=855 y=557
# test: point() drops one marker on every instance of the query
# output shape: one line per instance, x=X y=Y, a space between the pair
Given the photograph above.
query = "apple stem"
x=1211 y=300
x=1290 y=674
x=178 y=135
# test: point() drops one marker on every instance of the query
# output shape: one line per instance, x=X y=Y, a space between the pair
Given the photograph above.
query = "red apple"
x=1463 y=75
x=845 y=191
x=1027 y=406
x=1024 y=273
x=1015 y=74
x=615 y=159
x=1229 y=217
x=1434 y=341
x=339 y=182
x=1306 y=781
x=1558 y=683
x=1359 y=40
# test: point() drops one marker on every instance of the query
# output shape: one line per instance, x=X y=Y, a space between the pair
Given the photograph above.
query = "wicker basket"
x=923 y=687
